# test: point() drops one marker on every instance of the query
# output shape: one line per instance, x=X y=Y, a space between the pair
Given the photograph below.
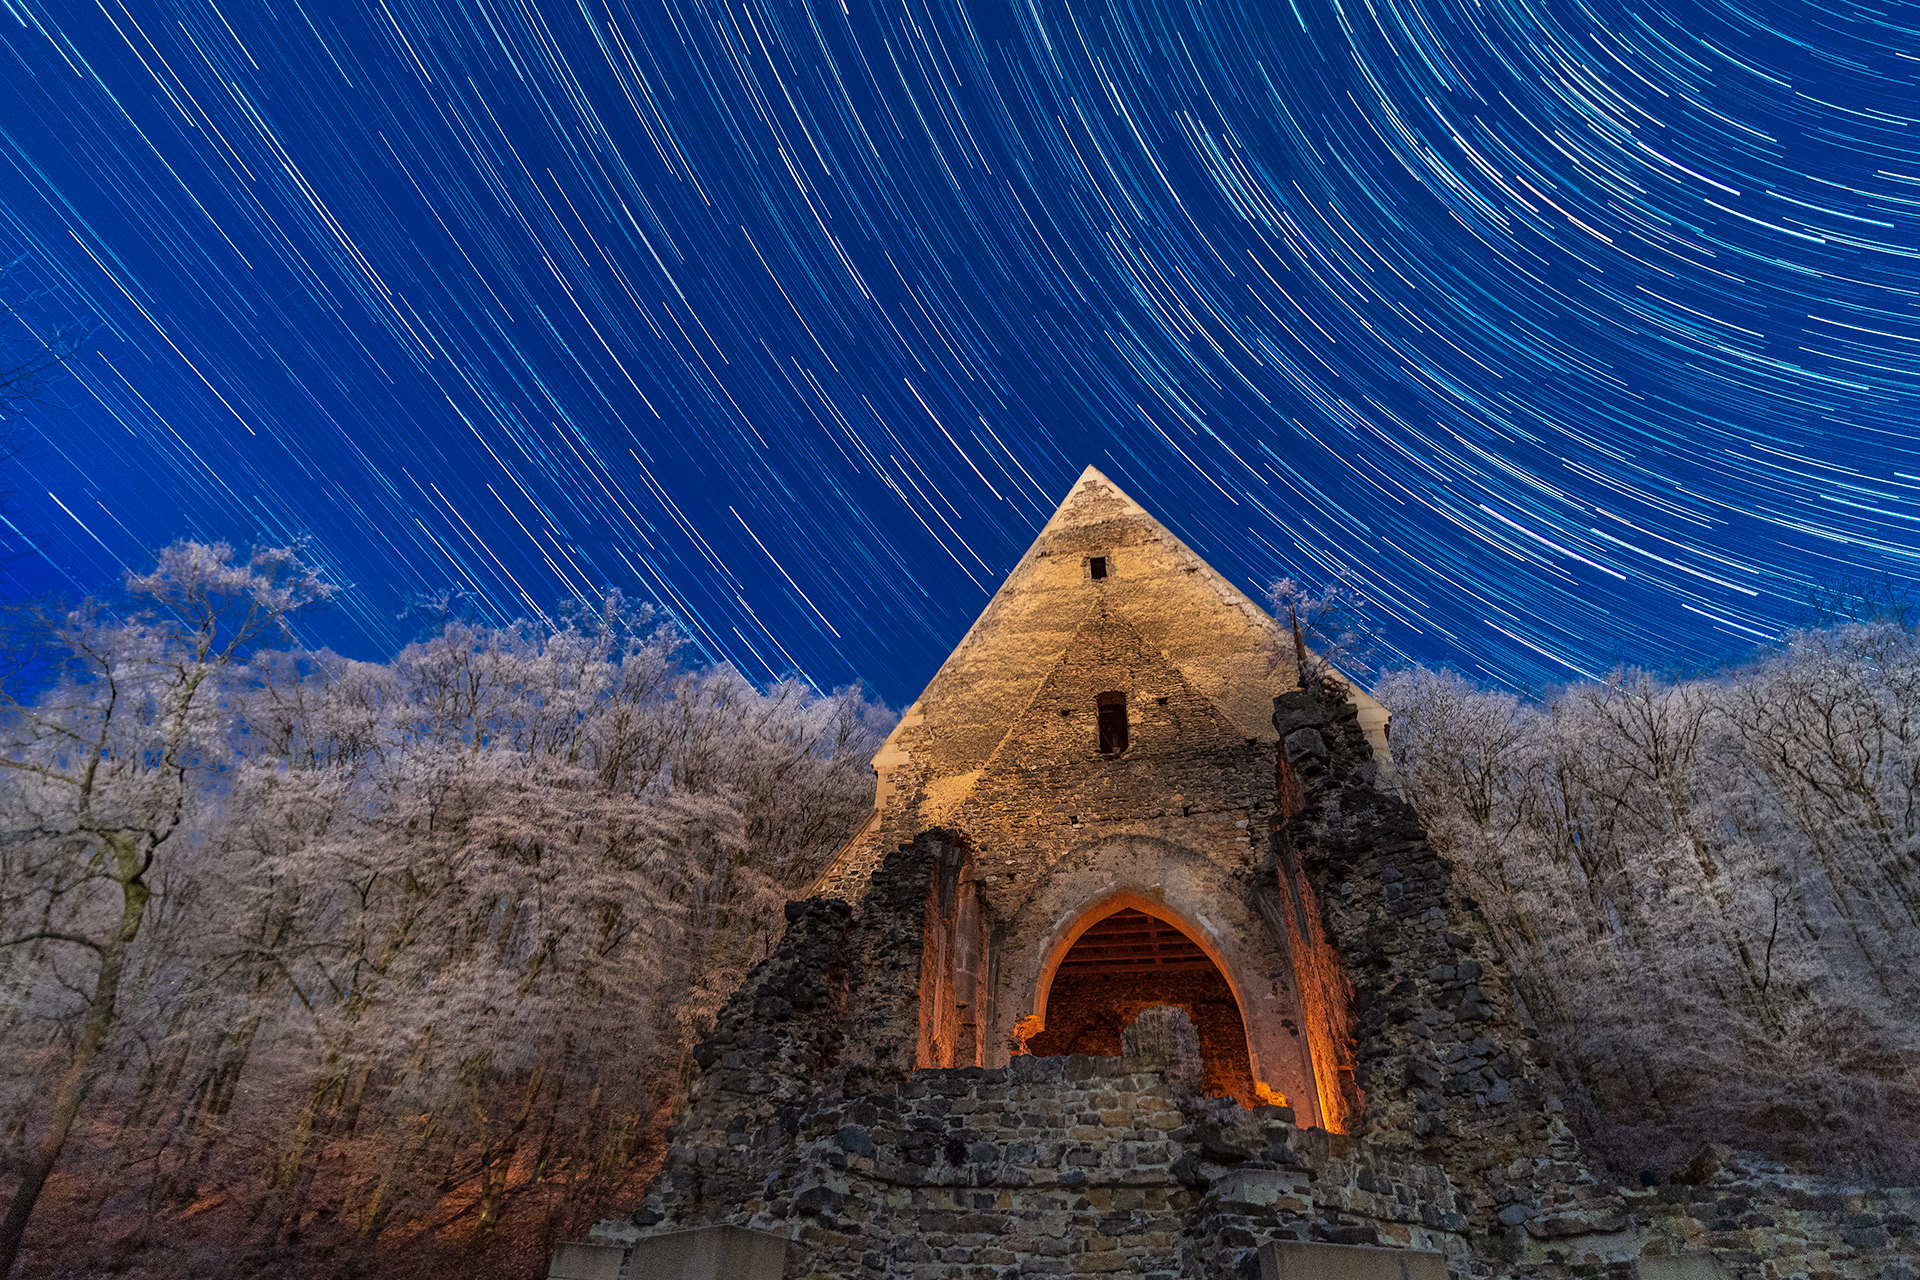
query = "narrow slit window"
x=1097 y=567
x=1113 y=723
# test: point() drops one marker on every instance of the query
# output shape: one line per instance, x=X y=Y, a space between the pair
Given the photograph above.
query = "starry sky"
x=1574 y=332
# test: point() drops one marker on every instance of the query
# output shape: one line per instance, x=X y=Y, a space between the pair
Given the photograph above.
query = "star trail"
x=1574 y=332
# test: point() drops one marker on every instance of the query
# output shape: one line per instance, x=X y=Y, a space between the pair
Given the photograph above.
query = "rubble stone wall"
x=1051 y=1166
x=1077 y=1165
x=1442 y=1061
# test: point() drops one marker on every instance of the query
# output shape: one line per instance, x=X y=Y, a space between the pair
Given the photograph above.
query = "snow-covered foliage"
x=429 y=940
x=1328 y=627
x=1709 y=890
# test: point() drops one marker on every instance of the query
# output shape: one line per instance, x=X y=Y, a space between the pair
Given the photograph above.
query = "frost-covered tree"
x=1328 y=628
x=429 y=940
x=98 y=784
x=1706 y=889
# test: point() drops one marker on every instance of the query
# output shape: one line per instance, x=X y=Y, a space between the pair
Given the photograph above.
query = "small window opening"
x=1113 y=723
x=1097 y=567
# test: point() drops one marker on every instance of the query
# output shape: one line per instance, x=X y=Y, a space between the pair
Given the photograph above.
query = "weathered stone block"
x=1679 y=1266
x=707 y=1253
x=587 y=1262
x=1163 y=1036
x=1259 y=1186
x=1299 y=1260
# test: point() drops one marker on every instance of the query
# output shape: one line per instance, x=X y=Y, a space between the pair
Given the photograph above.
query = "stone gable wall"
x=1186 y=776
x=1213 y=652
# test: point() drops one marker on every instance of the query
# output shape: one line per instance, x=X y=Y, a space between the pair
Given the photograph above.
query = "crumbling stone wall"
x=1088 y=1013
x=1285 y=897
x=1068 y=1165
x=954 y=960
x=1757 y=1220
x=1442 y=1061
x=774 y=1049
x=1076 y=1165
x=888 y=954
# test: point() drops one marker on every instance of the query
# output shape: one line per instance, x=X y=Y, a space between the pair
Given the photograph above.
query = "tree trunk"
x=73 y=1085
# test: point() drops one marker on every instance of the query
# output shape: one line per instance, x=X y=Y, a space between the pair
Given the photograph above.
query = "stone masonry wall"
x=1760 y=1222
x=1073 y=1166
x=884 y=1017
x=1186 y=775
x=774 y=1048
x=1443 y=1063
x=1056 y=1166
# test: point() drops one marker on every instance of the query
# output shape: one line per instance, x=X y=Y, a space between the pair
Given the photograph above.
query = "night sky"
x=1577 y=333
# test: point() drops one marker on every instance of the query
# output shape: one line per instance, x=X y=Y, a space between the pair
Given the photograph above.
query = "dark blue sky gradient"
x=1579 y=333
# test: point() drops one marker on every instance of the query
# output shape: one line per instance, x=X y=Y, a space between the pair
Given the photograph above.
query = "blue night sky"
x=1577 y=332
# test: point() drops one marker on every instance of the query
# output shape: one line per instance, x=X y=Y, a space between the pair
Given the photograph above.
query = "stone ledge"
x=1298 y=1260
x=703 y=1253
x=587 y=1262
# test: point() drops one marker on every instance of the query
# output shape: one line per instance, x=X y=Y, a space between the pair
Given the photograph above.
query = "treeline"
x=1708 y=891
x=313 y=965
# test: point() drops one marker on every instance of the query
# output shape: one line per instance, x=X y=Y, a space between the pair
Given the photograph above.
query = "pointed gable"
x=1222 y=643
x=1106 y=596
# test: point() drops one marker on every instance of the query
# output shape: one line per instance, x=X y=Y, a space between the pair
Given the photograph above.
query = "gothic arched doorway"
x=1124 y=961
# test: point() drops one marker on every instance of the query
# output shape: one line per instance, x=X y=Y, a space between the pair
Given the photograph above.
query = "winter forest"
x=1707 y=890
x=376 y=959
x=318 y=966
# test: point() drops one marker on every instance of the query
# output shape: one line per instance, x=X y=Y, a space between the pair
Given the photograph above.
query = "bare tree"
x=436 y=936
x=1329 y=627
x=1706 y=887
x=100 y=771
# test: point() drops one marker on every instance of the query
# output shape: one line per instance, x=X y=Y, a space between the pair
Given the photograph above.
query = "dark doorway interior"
x=1126 y=962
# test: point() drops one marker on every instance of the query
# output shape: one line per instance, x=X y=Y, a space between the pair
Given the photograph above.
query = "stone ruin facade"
x=1140 y=967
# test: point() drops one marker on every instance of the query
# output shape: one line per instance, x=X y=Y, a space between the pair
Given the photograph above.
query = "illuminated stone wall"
x=864 y=1094
x=1086 y=1014
x=1002 y=751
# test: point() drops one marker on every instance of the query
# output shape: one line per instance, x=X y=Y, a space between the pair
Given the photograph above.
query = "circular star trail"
x=1574 y=333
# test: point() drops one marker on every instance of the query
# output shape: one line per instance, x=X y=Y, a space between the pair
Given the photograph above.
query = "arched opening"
x=1124 y=960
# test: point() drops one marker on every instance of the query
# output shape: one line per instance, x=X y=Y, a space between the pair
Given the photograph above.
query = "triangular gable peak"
x=1101 y=570
x=1222 y=643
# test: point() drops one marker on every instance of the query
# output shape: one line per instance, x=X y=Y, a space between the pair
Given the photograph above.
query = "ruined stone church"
x=1139 y=966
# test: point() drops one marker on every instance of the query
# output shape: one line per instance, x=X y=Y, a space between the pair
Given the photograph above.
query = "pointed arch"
x=1207 y=904
x=1126 y=953
x=1109 y=905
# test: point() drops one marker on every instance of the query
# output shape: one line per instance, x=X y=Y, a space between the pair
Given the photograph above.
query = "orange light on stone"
x=1129 y=953
x=1026 y=1029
